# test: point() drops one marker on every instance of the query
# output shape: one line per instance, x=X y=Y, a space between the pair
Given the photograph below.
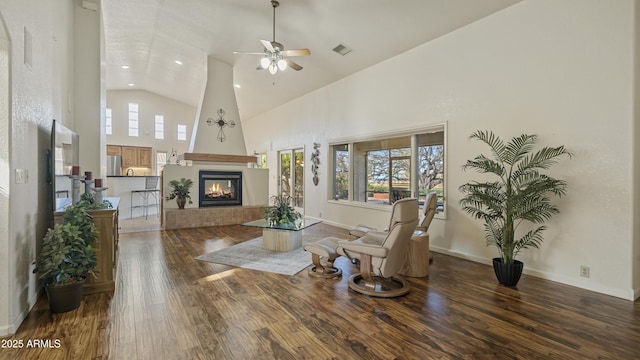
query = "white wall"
x=151 y=104
x=218 y=94
x=88 y=90
x=636 y=155
x=38 y=95
x=5 y=176
x=562 y=70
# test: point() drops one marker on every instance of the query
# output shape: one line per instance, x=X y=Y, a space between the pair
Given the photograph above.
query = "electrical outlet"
x=584 y=271
x=20 y=176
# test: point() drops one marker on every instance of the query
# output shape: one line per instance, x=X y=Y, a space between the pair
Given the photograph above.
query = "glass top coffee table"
x=282 y=237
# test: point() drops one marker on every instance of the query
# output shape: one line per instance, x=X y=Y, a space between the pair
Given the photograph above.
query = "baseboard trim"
x=630 y=295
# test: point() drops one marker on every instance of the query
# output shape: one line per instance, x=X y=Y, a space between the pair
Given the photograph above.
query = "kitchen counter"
x=125 y=176
x=121 y=186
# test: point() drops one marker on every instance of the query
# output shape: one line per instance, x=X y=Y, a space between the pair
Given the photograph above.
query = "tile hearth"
x=211 y=216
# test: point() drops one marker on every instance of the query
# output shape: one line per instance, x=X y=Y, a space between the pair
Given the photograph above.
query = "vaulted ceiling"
x=148 y=36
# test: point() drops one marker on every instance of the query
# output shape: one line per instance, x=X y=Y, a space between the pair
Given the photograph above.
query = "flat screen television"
x=64 y=155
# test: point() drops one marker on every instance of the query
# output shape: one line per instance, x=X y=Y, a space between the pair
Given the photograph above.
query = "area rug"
x=251 y=255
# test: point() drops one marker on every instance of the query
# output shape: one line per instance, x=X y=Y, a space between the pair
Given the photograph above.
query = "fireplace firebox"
x=220 y=188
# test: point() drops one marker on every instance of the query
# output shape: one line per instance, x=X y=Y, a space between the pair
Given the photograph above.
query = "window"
x=262 y=161
x=431 y=172
x=383 y=170
x=182 y=132
x=108 y=121
x=292 y=176
x=341 y=173
x=133 y=119
x=161 y=160
x=159 y=127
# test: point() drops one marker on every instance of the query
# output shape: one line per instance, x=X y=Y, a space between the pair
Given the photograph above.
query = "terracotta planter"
x=66 y=297
x=507 y=274
x=181 y=202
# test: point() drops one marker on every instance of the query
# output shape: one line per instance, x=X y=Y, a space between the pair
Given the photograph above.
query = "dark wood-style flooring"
x=169 y=306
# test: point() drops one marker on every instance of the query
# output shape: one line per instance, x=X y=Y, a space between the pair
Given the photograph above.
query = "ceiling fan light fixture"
x=282 y=64
x=273 y=69
x=265 y=62
x=274 y=56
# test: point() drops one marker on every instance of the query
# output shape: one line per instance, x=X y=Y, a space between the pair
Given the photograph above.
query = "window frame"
x=358 y=168
x=178 y=132
x=158 y=134
x=108 y=121
x=134 y=123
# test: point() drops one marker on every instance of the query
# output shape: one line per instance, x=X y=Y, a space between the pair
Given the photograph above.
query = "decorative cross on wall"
x=221 y=122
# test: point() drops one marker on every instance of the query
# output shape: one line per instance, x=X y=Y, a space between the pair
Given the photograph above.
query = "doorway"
x=291 y=176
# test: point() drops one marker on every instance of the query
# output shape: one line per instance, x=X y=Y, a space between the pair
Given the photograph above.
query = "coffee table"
x=282 y=237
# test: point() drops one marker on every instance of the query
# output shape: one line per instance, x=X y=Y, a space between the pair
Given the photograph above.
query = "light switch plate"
x=21 y=176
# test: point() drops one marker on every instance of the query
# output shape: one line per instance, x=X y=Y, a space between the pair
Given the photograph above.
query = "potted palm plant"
x=519 y=194
x=66 y=259
x=180 y=191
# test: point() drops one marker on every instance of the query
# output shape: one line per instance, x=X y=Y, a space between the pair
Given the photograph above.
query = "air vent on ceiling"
x=342 y=49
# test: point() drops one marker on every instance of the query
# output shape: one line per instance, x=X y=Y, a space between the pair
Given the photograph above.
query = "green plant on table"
x=281 y=212
x=88 y=201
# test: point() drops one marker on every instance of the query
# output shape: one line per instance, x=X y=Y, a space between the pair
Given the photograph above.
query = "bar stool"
x=150 y=191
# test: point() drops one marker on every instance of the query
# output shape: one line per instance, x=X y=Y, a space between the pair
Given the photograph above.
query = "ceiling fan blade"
x=296 y=52
x=248 y=53
x=293 y=65
x=267 y=45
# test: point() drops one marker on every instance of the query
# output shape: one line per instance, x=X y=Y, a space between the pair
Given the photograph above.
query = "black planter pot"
x=66 y=297
x=507 y=274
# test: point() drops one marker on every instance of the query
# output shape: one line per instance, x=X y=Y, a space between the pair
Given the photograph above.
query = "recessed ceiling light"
x=237 y=86
x=125 y=66
x=178 y=62
x=131 y=84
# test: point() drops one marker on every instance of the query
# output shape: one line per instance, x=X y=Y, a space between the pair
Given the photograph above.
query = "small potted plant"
x=88 y=201
x=180 y=191
x=519 y=193
x=281 y=212
x=63 y=264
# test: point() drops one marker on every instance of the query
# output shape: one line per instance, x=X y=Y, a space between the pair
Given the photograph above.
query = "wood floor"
x=169 y=306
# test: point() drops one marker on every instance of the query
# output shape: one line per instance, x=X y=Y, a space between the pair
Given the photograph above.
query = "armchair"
x=428 y=212
x=382 y=257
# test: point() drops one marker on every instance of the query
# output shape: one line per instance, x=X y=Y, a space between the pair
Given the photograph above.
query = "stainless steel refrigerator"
x=114 y=165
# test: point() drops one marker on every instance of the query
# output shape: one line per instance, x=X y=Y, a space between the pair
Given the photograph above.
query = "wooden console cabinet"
x=105 y=247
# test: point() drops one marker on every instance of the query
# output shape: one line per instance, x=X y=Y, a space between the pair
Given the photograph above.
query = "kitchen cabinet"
x=114 y=150
x=132 y=156
x=144 y=157
x=129 y=156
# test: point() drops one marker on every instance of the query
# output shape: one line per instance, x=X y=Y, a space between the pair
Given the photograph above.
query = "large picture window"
x=386 y=169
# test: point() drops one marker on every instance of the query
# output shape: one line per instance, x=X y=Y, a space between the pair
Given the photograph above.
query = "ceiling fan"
x=274 y=56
